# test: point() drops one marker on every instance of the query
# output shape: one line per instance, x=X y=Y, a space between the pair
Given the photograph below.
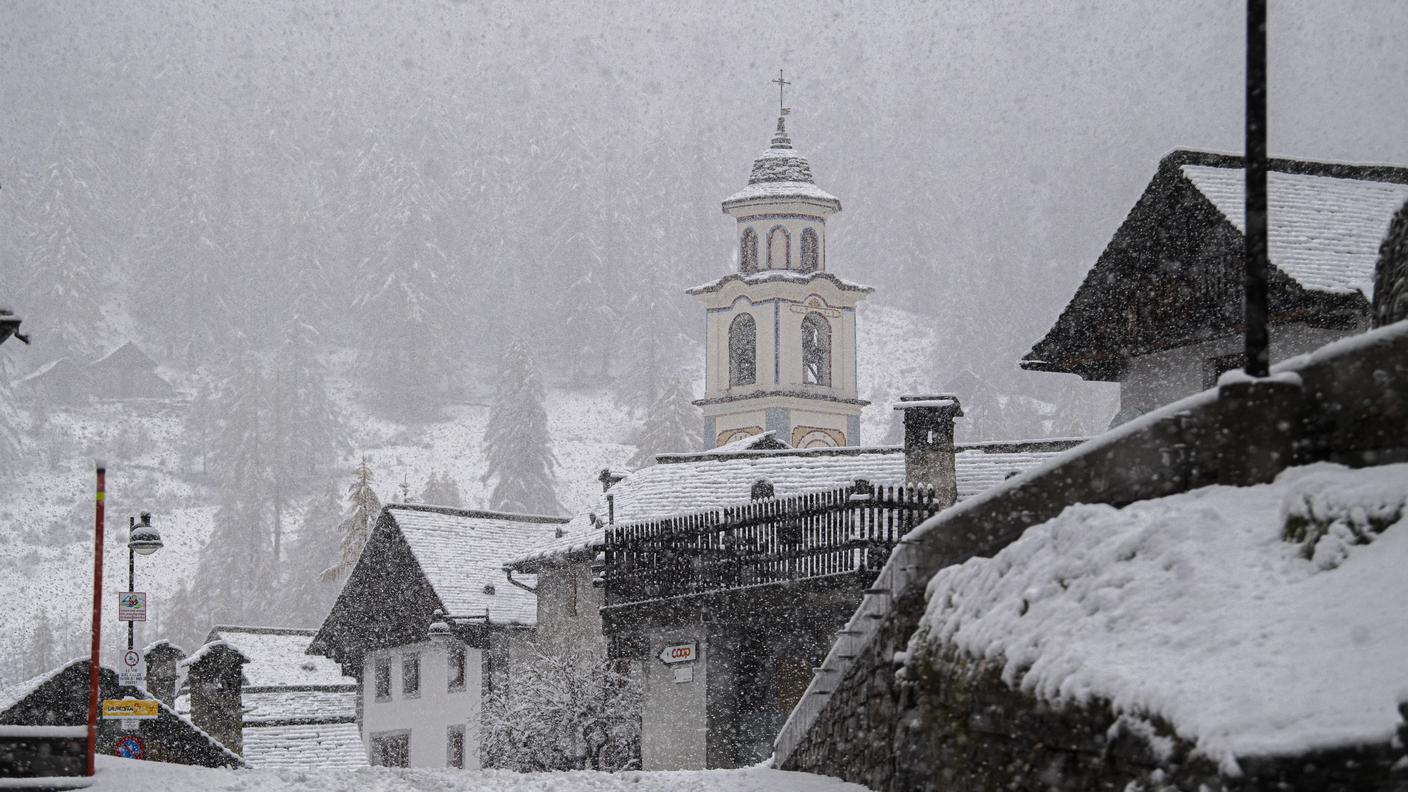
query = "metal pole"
x=1257 y=363
x=131 y=584
x=97 y=613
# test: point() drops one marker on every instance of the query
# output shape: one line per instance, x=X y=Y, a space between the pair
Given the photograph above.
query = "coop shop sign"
x=129 y=708
x=132 y=606
x=679 y=653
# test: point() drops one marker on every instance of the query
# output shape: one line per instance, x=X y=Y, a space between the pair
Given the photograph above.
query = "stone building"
x=781 y=332
x=1161 y=310
x=281 y=706
x=420 y=694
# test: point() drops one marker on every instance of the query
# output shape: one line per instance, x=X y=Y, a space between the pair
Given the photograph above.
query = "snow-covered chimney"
x=214 y=675
x=928 y=443
x=162 y=658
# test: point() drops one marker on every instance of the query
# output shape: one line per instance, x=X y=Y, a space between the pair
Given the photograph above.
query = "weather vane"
x=781 y=86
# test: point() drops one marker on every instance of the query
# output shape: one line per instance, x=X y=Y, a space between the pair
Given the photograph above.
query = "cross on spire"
x=781 y=86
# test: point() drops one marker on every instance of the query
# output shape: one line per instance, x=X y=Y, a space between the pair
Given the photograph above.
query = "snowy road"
x=123 y=775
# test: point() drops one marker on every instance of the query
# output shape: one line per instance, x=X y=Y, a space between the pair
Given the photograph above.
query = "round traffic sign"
x=129 y=747
x=131 y=659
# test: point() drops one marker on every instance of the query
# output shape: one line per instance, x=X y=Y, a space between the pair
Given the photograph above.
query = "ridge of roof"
x=481 y=514
x=1397 y=174
x=262 y=630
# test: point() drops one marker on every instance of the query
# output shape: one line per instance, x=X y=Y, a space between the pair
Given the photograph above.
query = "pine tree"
x=516 y=441
x=673 y=424
x=441 y=490
x=653 y=346
x=201 y=427
x=356 y=529
x=306 y=597
x=12 y=444
x=588 y=321
x=43 y=646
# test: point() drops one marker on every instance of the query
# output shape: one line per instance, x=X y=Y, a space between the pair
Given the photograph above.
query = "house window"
x=391 y=749
x=1217 y=366
x=456 y=662
x=748 y=251
x=410 y=674
x=811 y=251
x=816 y=350
x=383 y=679
x=779 y=248
x=454 y=746
x=742 y=350
x=571 y=595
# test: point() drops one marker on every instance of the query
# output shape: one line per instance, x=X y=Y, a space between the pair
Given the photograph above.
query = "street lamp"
x=142 y=539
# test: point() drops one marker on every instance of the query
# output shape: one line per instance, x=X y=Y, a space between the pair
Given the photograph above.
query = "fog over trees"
x=286 y=201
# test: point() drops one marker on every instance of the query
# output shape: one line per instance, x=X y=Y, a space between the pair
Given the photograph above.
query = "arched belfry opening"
x=748 y=251
x=779 y=248
x=742 y=350
x=811 y=251
x=816 y=350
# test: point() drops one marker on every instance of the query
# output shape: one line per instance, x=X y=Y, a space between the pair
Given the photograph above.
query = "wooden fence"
x=850 y=529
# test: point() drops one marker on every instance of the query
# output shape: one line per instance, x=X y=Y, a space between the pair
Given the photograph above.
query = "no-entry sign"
x=679 y=653
x=129 y=747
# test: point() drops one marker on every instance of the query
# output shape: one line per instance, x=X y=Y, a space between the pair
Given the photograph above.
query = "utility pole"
x=1257 y=362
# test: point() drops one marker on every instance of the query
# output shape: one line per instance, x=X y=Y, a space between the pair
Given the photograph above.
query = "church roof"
x=1171 y=275
x=694 y=482
x=771 y=275
x=781 y=173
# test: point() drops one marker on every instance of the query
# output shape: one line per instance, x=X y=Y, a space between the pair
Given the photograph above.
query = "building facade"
x=1161 y=311
x=780 y=350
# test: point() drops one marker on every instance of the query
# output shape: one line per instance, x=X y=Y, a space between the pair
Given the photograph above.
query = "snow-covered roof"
x=1194 y=609
x=684 y=483
x=302 y=746
x=462 y=552
x=204 y=651
x=781 y=173
x=1322 y=231
x=127 y=354
x=300 y=703
x=767 y=276
x=14 y=694
x=278 y=657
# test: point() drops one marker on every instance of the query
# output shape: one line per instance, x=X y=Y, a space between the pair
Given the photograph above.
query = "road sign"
x=679 y=653
x=129 y=746
x=132 y=606
x=129 y=708
x=133 y=671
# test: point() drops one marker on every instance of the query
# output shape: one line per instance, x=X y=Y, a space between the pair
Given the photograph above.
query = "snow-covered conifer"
x=516 y=441
x=588 y=321
x=306 y=596
x=441 y=490
x=356 y=529
x=672 y=424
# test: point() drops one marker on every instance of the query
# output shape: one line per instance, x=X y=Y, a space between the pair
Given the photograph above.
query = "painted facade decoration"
x=781 y=341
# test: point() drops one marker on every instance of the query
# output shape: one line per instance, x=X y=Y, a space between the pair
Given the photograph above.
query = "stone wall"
x=956 y=727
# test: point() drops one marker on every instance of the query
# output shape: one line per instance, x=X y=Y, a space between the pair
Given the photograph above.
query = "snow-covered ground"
x=125 y=775
x=1193 y=608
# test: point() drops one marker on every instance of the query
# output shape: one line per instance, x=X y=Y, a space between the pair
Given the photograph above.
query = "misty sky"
x=1009 y=138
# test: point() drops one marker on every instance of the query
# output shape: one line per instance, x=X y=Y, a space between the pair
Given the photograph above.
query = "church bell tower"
x=781 y=340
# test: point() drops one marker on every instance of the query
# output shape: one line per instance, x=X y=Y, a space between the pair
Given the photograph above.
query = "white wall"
x=429 y=714
x=674 y=717
x=1154 y=380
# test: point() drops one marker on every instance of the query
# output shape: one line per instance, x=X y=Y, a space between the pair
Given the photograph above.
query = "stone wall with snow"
x=863 y=721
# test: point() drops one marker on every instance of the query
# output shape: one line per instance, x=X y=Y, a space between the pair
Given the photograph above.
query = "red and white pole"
x=97 y=615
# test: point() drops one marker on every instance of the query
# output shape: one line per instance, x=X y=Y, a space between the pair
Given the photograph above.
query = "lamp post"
x=142 y=539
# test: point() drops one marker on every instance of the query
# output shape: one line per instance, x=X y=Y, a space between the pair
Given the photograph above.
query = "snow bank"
x=1194 y=608
x=125 y=775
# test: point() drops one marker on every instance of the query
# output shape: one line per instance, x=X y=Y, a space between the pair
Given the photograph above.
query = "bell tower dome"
x=781 y=341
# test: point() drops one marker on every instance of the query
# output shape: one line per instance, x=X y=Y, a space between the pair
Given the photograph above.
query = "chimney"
x=162 y=658
x=608 y=478
x=928 y=443
x=215 y=676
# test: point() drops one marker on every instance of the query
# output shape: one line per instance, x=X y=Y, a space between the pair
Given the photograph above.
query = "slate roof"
x=300 y=746
x=685 y=483
x=461 y=552
x=1323 y=231
x=328 y=704
x=1171 y=274
x=10 y=695
x=278 y=657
